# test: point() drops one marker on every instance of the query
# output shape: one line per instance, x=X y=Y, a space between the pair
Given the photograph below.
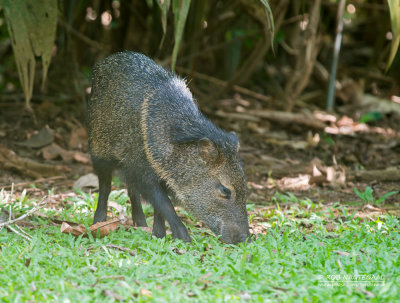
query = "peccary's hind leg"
x=161 y=203
x=104 y=173
x=158 y=225
x=137 y=212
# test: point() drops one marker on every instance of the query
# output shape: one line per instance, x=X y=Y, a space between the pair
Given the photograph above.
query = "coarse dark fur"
x=143 y=120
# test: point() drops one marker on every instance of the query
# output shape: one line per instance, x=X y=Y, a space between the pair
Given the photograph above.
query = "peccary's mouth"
x=232 y=233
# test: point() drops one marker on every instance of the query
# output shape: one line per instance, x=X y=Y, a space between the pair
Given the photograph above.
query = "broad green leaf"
x=32 y=28
x=368 y=194
x=394 y=7
x=270 y=20
x=164 y=6
x=357 y=192
x=385 y=196
x=180 y=8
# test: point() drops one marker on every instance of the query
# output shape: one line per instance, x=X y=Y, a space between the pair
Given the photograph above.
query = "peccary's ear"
x=208 y=150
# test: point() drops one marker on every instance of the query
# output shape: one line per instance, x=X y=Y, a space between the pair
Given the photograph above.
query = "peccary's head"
x=210 y=181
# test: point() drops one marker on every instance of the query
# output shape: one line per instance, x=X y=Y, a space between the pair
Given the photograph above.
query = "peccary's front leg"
x=161 y=203
x=104 y=190
x=158 y=225
x=137 y=212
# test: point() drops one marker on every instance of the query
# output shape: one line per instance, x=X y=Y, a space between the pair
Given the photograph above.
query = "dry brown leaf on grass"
x=104 y=228
x=145 y=292
x=74 y=230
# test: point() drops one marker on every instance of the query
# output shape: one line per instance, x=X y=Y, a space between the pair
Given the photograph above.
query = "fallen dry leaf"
x=81 y=157
x=78 y=139
x=74 y=230
x=104 y=228
x=54 y=151
x=145 y=292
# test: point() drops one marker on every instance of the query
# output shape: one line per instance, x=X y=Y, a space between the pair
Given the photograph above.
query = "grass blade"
x=180 y=8
x=394 y=8
x=270 y=20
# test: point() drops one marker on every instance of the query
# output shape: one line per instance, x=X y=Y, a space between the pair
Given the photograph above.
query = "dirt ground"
x=315 y=154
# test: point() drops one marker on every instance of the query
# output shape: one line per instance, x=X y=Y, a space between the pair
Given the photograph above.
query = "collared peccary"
x=143 y=121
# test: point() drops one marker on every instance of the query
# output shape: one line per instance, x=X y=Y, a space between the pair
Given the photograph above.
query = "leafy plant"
x=368 y=197
x=32 y=27
x=371 y=117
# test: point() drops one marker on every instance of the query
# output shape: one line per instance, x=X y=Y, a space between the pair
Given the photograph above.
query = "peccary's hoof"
x=140 y=223
x=183 y=235
x=158 y=232
x=99 y=219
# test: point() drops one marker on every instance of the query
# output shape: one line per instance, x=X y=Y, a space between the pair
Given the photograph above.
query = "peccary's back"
x=121 y=83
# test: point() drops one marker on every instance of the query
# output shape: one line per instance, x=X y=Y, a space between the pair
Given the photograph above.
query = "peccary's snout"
x=233 y=233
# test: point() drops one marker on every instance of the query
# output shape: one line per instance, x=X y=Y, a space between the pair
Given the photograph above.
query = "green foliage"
x=32 y=28
x=284 y=263
x=328 y=139
x=394 y=7
x=368 y=197
x=371 y=117
x=180 y=8
x=164 y=6
x=270 y=20
x=294 y=260
x=284 y=198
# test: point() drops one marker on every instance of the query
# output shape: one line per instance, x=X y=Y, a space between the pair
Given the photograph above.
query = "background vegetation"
x=230 y=40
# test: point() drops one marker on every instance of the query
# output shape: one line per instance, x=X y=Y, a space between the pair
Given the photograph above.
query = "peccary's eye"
x=225 y=191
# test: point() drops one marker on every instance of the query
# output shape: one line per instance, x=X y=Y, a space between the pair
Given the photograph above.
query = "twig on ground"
x=30 y=212
x=23 y=235
x=124 y=249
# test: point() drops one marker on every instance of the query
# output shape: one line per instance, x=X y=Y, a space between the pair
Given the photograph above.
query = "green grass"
x=286 y=264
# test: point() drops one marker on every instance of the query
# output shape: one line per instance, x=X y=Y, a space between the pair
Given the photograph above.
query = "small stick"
x=41 y=203
x=18 y=233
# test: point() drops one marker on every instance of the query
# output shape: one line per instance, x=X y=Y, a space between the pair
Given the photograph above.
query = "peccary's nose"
x=233 y=234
